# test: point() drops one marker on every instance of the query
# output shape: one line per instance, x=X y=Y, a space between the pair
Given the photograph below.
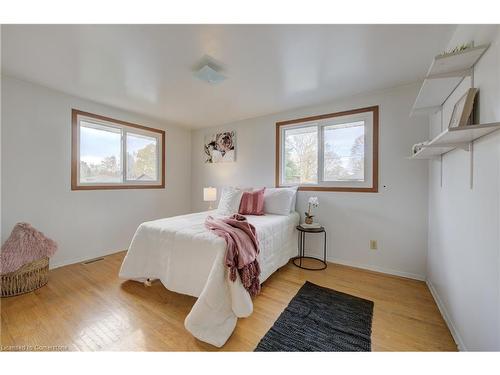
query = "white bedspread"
x=189 y=259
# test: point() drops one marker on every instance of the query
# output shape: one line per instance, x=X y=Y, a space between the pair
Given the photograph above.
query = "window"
x=333 y=152
x=113 y=154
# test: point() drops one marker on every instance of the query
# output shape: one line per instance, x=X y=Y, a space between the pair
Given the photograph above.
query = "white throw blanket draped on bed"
x=189 y=259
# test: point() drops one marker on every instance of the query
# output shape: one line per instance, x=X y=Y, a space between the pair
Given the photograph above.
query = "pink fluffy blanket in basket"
x=24 y=245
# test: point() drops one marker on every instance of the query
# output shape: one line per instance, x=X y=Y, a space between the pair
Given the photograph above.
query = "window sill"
x=116 y=187
x=337 y=188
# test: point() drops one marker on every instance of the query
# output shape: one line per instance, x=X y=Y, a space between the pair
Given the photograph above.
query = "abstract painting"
x=220 y=147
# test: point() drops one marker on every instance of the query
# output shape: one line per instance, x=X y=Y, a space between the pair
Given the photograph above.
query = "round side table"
x=302 y=245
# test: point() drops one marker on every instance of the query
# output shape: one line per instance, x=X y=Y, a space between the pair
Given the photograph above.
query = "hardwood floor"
x=86 y=307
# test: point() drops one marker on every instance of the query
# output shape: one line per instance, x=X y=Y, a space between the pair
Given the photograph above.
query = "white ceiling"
x=270 y=68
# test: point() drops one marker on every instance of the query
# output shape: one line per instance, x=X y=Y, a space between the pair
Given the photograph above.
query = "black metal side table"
x=302 y=245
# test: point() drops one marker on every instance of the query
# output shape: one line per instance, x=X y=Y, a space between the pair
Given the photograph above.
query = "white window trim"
x=368 y=184
x=124 y=128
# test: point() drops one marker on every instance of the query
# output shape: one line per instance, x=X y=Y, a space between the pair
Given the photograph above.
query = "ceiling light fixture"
x=208 y=74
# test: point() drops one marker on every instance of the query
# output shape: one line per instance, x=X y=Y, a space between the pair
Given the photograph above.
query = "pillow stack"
x=246 y=201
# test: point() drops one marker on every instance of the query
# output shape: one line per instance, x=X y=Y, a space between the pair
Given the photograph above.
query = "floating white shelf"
x=444 y=75
x=453 y=138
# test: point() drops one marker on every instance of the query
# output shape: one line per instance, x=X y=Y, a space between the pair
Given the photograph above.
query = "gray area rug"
x=319 y=319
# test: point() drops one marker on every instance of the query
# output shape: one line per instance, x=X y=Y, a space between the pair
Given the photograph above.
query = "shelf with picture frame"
x=459 y=133
x=452 y=138
x=462 y=130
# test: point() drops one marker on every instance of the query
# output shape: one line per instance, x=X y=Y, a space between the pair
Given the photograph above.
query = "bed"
x=187 y=258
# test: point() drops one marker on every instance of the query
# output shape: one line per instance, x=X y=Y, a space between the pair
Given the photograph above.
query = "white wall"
x=0 y=136
x=464 y=226
x=396 y=216
x=36 y=161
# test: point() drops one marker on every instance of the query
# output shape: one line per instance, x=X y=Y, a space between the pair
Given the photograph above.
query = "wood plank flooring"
x=87 y=308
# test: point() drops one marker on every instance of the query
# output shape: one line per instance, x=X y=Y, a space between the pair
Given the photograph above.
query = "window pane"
x=344 y=152
x=142 y=158
x=100 y=153
x=301 y=155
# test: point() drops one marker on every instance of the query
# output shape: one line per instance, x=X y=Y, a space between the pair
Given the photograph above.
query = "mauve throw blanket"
x=242 y=249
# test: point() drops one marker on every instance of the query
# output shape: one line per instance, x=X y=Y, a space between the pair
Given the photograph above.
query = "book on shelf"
x=310 y=226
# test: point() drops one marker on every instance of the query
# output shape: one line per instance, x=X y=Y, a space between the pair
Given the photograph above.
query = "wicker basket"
x=29 y=277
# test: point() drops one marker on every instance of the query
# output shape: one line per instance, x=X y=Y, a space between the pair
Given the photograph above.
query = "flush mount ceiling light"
x=208 y=74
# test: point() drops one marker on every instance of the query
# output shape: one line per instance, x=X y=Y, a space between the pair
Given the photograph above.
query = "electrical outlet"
x=373 y=245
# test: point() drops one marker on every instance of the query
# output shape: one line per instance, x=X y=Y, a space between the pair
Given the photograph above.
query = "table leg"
x=303 y=240
x=299 y=242
x=324 y=248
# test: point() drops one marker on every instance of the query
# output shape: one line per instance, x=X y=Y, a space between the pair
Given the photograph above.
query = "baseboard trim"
x=446 y=317
x=82 y=259
x=331 y=260
x=377 y=269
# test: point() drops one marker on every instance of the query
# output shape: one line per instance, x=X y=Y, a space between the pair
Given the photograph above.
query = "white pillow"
x=229 y=201
x=279 y=201
x=292 y=189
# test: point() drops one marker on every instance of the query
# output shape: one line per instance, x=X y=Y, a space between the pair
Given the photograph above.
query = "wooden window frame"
x=375 y=145
x=75 y=157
